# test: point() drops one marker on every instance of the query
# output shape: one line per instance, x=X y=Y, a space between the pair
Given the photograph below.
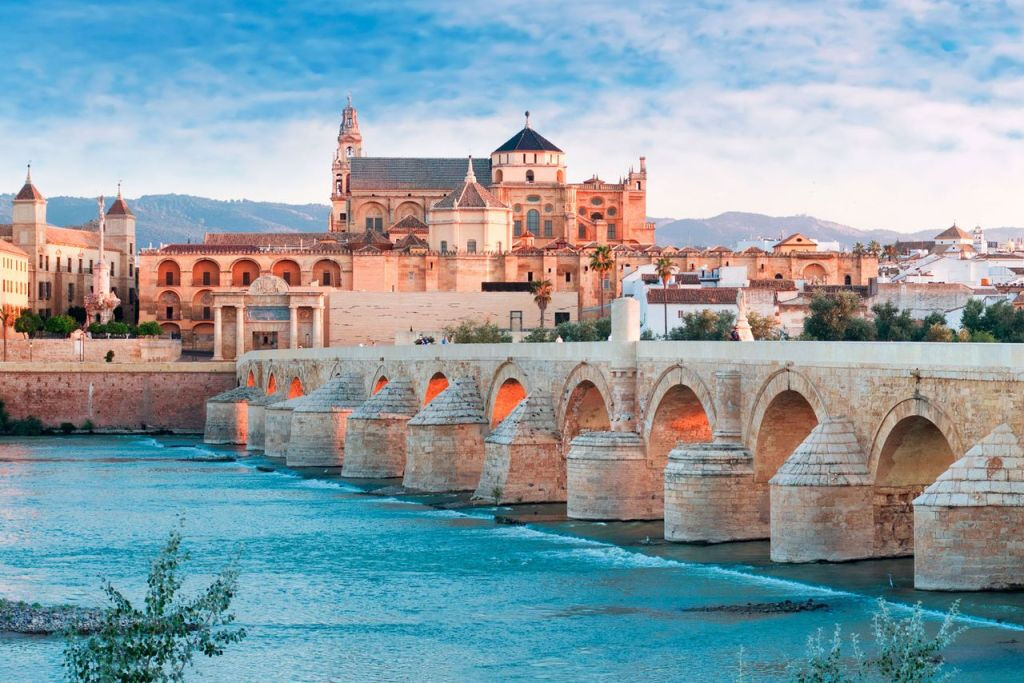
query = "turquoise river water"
x=340 y=585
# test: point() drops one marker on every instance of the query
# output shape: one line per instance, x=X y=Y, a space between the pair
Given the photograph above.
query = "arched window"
x=375 y=219
x=596 y=216
x=529 y=176
x=638 y=185
x=847 y=280
x=348 y=151
x=471 y=246
x=533 y=221
x=583 y=211
x=778 y=276
x=498 y=176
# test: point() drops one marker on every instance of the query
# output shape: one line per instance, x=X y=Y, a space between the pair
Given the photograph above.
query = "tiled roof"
x=401 y=173
x=119 y=208
x=268 y=239
x=530 y=422
x=9 y=248
x=528 y=140
x=410 y=242
x=73 y=238
x=954 y=233
x=471 y=195
x=985 y=476
x=829 y=456
x=345 y=392
x=29 y=191
x=688 y=278
x=719 y=250
x=396 y=398
x=703 y=295
x=409 y=224
x=771 y=283
x=753 y=250
x=795 y=238
x=459 y=403
x=369 y=238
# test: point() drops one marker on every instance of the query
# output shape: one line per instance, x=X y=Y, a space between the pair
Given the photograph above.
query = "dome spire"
x=470 y=176
x=28 y=174
x=527 y=119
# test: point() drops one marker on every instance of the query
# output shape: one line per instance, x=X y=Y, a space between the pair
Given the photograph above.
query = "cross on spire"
x=470 y=176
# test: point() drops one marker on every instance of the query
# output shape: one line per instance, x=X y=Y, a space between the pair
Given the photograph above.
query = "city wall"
x=94 y=350
x=128 y=396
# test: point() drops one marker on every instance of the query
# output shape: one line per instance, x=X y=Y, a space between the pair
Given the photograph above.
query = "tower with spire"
x=350 y=144
x=29 y=216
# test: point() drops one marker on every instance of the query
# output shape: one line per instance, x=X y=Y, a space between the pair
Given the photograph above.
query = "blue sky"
x=905 y=114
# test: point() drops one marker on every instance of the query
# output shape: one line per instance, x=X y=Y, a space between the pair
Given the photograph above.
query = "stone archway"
x=915 y=443
x=437 y=383
x=508 y=387
x=250 y=380
x=295 y=389
x=584 y=372
x=271 y=384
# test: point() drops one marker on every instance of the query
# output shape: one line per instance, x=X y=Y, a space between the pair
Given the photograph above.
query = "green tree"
x=601 y=262
x=762 y=326
x=830 y=315
x=874 y=248
x=664 y=268
x=704 y=325
x=858 y=249
x=939 y=333
x=159 y=641
x=540 y=335
x=542 y=290
x=476 y=332
x=859 y=329
x=150 y=328
x=60 y=324
x=78 y=313
x=972 y=317
x=28 y=323
x=931 y=320
x=892 y=324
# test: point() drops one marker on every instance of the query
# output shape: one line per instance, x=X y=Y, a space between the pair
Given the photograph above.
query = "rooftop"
x=703 y=295
x=406 y=173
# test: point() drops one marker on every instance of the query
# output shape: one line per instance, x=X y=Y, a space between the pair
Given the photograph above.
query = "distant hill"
x=165 y=218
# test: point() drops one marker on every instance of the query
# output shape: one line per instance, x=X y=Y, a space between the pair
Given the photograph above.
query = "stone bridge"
x=833 y=451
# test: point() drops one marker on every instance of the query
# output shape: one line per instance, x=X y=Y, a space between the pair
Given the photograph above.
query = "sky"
x=902 y=114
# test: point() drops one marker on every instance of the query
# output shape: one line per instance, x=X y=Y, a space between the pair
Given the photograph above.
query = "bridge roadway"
x=834 y=451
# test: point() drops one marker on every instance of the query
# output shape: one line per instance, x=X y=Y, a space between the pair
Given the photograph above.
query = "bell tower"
x=350 y=145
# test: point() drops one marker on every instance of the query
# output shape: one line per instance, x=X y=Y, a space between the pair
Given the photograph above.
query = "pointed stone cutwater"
x=318 y=422
x=376 y=432
x=227 y=416
x=257 y=427
x=969 y=524
x=445 y=441
x=522 y=456
x=821 y=499
x=277 y=420
x=608 y=477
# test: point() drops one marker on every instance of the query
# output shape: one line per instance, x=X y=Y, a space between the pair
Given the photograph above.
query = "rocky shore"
x=36 y=619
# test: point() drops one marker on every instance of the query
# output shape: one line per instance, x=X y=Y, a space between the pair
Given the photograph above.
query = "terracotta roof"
x=470 y=195
x=720 y=250
x=409 y=224
x=29 y=191
x=753 y=250
x=369 y=238
x=795 y=238
x=400 y=173
x=410 y=242
x=528 y=140
x=73 y=238
x=119 y=207
x=770 y=283
x=954 y=233
x=688 y=278
x=703 y=295
x=689 y=250
x=559 y=244
x=9 y=248
x=268 y=239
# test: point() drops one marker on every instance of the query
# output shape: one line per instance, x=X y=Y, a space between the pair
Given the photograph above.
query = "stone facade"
x=227 y=416
x=609 y=478
x=445 y=441
x=375 y=437
x=319 y=423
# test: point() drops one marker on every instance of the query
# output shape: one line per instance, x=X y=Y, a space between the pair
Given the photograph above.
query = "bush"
x=831 y=315
x=109 y=356
x=704 y=325
x=150 y=328
x=118 y=329
x=60 y=324
x=157 y=642
x=584 y=331
x=939 y=333
x=647 y=335
x=762 y=326
x=30 y=426
x=67 y=427
x=28 y=323
x=540 y=335
x=982 y=337
x=78 y=313
x=476 y=332
x=88 y=426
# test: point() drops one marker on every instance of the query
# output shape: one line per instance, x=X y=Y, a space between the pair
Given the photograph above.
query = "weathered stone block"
x=609 y=478
x=227 y=416
x=375 y=437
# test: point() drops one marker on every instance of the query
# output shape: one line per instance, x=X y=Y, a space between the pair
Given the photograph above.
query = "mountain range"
x=167 y=218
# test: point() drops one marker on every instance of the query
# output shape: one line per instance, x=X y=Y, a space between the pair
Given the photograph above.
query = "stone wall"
x=151 y=350
x=115 y=396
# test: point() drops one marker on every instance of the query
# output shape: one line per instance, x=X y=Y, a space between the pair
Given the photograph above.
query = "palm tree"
x=858 y=249
x=891 y=252
x=541 y=290
x=601 y=261
x=664 y=268
x=874 y=248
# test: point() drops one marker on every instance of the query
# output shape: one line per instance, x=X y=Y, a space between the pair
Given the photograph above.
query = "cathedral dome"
x=527 y=140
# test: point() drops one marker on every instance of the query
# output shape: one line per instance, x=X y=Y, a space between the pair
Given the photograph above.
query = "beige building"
x=13 y=281
x=61 y=260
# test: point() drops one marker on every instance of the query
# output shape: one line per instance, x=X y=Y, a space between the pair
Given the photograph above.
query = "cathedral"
x=525 y=177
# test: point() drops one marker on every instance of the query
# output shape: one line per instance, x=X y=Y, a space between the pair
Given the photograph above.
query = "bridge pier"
x=522 y=456
x=609 y=478
x=257 y=415
x=227 y=416
x=375 y=433
x=445 y=441
x=277 y=420
x=710 y=492
x=967 y=524
x=821 y=499
x=318 y=423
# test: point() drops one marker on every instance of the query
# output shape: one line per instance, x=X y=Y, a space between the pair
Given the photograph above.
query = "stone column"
x=318 y=326
x=239 y=330
x=293 y=326
x=727 y=424
x=218 y=334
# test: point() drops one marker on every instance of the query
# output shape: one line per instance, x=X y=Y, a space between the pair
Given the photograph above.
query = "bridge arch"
x=250 y=380
x=786 y=409
x=379 y=380
x=509 y=386
x=679 y=408
x=906 y=420
x=437 y=383
x=295 y=389
x=271 y=383
x=586 y=402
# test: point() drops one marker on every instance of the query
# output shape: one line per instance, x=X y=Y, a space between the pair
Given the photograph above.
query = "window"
x=206 y=277
x=596 y=201
x=561 y=317
x=606 y=283
x=517 y=228
x=533 y=221
x=71 y=292
x=568 y=277
x=444 y=246
x=245 y=279
x=471 y=246
x=168 y=278
x=169 y=312
x=518 y=208
x=549 y=228
x=583 y=232
x=40 y=261
x=847 y=280
x=515 y=320
x=583 y=211
x=47 y=262
x=131 y=269
x=326 y=278
x=529 y=276
x=90 y=266
x=206 y=312
x=287 y=277
x=412 y=275
x=533 y=198
x=69 y=264
x=638 y=185
x=596 y=216
x=611 y=232
x=111 y=269
x=612 y=211
x=529 y=176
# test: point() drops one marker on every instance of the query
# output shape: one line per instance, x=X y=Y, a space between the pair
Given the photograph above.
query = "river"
x=339 y=585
